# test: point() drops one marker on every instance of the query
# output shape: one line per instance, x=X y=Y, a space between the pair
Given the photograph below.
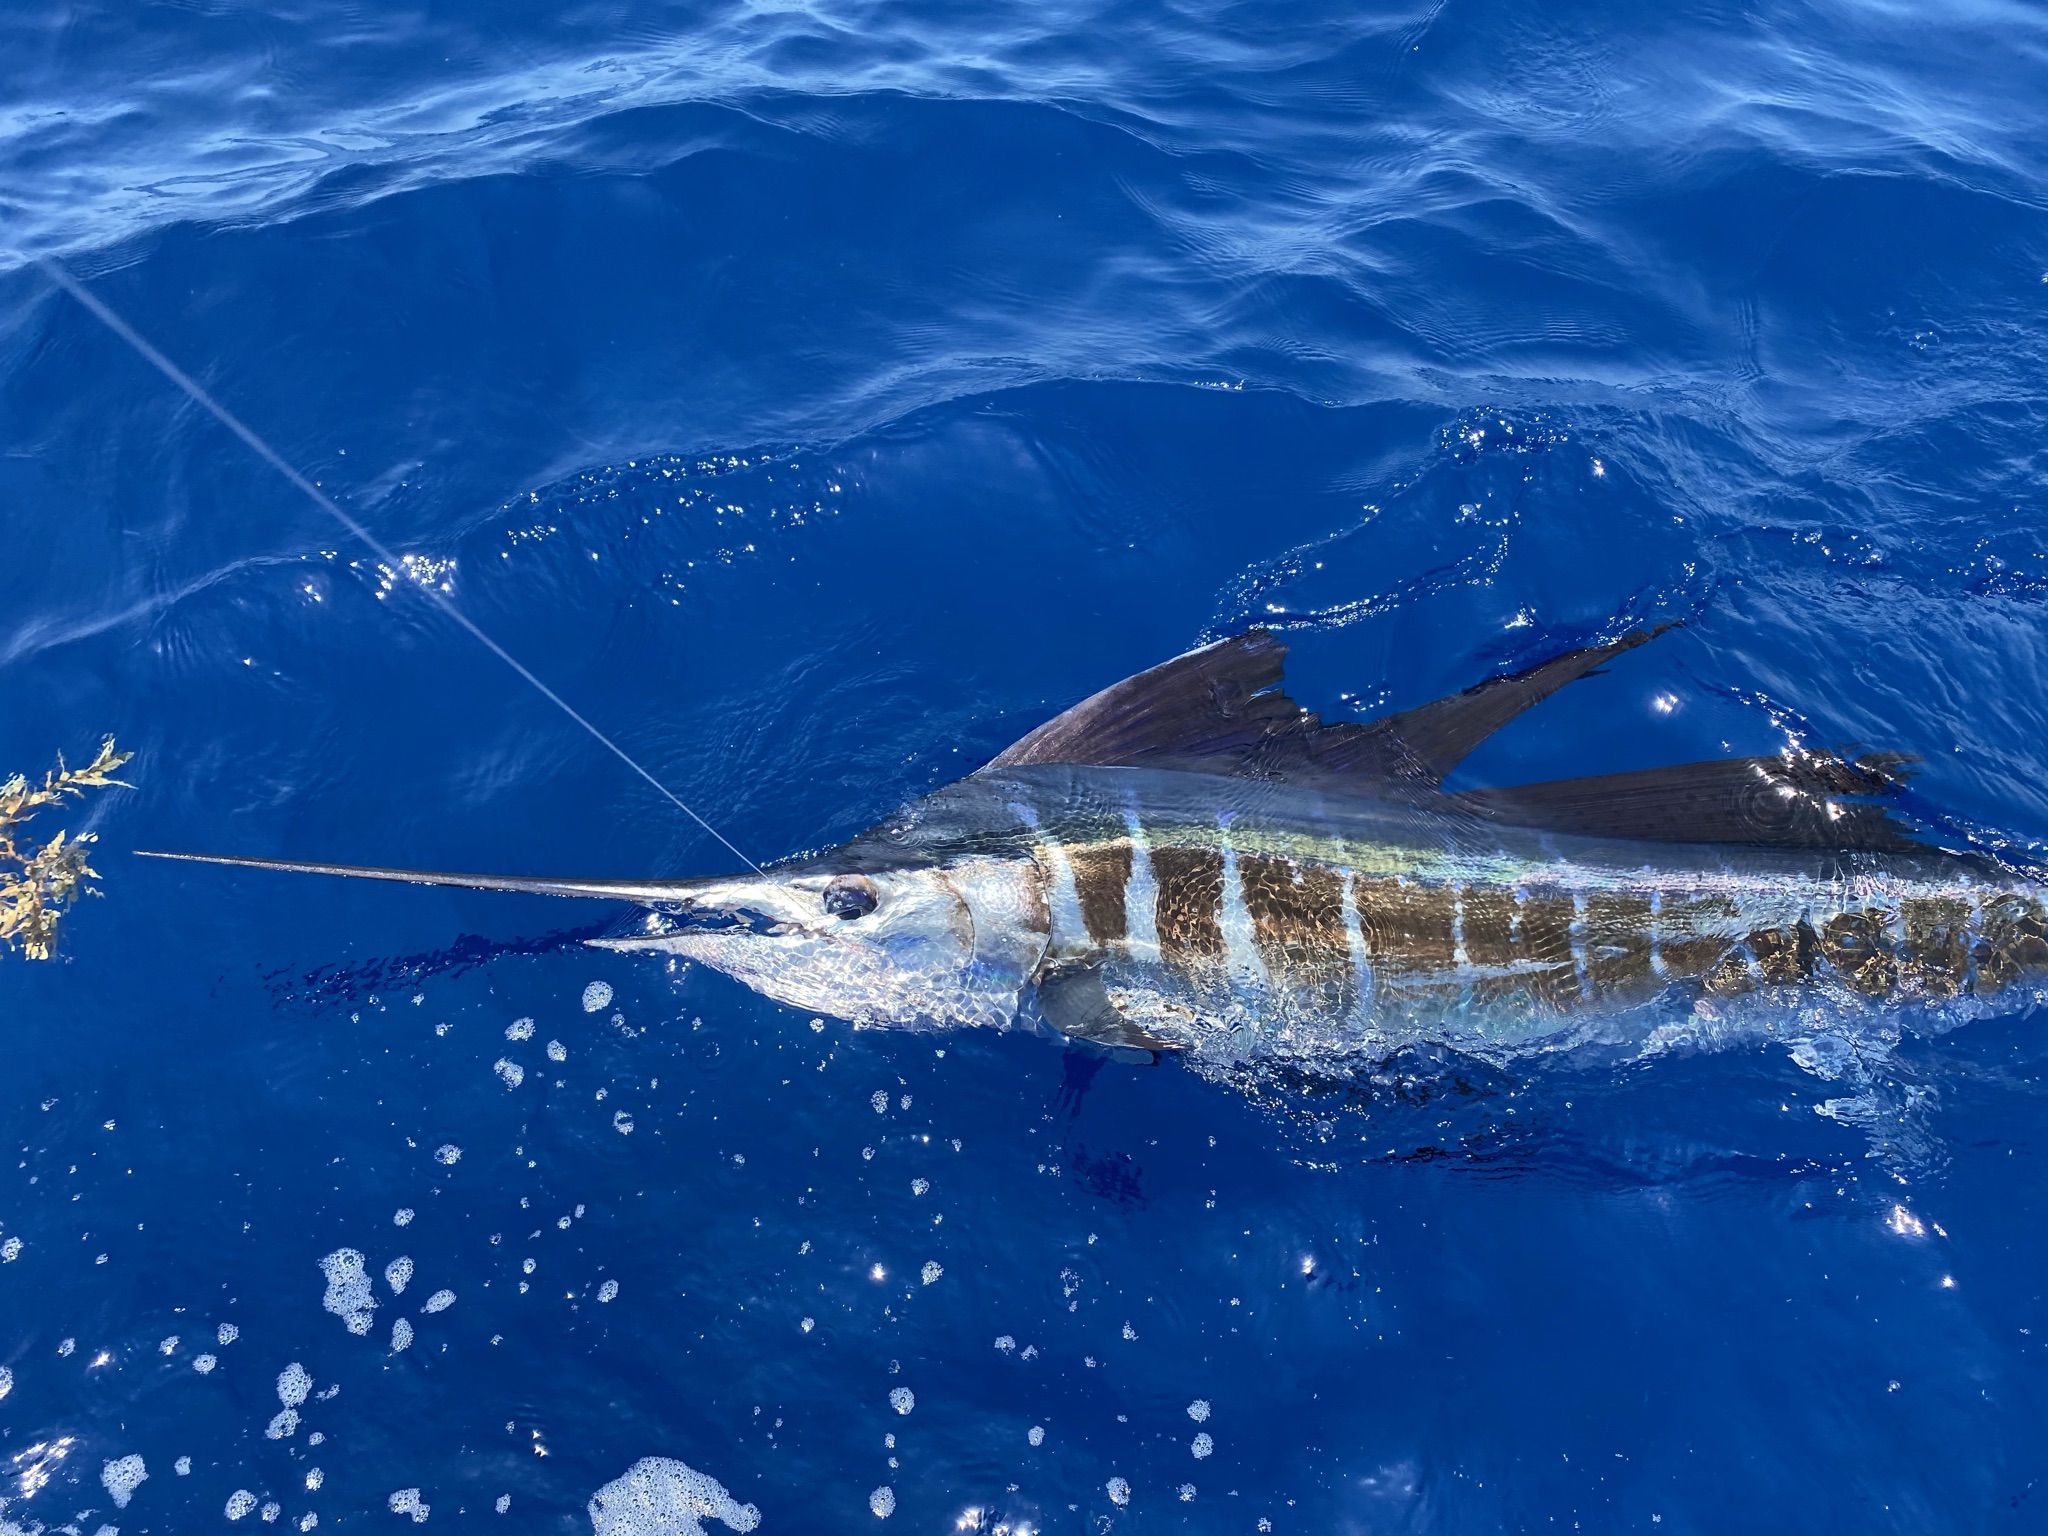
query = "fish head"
x=866 y=938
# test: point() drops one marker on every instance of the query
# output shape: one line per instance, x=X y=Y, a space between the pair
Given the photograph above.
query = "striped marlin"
x=1189 y=861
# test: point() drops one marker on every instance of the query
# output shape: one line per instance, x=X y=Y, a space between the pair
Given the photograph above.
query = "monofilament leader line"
x=170 y=370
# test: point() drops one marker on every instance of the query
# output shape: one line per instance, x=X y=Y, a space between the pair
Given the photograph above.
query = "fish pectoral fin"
x=1075 y=1002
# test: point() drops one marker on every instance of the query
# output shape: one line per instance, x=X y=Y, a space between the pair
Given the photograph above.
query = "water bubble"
x=349 y=1296
x=660 y=1496
x=407 y=1502
x=883 y=1502
x=596 y=996
x=902 y=1399
x=121 y=1478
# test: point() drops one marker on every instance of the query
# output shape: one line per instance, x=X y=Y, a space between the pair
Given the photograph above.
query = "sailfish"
x=1189 y=861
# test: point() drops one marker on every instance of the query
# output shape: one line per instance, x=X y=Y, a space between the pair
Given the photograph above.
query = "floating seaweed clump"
x=38 y=882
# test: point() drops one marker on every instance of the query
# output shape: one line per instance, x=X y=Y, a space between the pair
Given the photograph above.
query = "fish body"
x=1188 y=861
x=1177 y=910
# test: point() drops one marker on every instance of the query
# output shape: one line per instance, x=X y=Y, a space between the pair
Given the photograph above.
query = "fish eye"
x=849 y=896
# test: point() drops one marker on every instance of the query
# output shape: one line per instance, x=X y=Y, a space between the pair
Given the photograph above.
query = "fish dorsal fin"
x=1221 y=709
x=1811 y=800
x=1213 y=706
x=1427 y=742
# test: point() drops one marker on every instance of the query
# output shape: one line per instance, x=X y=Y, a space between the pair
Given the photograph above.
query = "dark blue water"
x=819 y=397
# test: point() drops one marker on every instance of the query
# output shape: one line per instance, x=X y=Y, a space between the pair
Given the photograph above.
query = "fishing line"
x=327 y=504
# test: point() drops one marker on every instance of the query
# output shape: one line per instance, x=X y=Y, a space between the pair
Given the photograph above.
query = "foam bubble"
x=660 y=1496
x=10 y=1250
x=227 y=1333
x=284 y=1426
x=121 y=1478
x=308 y=1520
x=622 y=1123
x=513 y=1073
x=314 y=1478
x=398 y=1274
x=269 y=1513
x=1202 y=1445
x=407 y=1502
x=1198 y=1410
x=293 y=1385
x=519 y=1029
x=1119 y=1492
x=597 y=995
x=902 y=1399
x=1005 y=1343
x=1186 y=1492
x=169 y=1346
x=557 y=1051
x=349 y=1296
x=204 y=1363
x=919 y=1186
x=401 y=1335
x=240 y=1503
x=6 y=1381
x=1035 y=1434
x=608 y=1291
x=448 y=1153
x=182 y=1466
x=883 y=1502
x=402 y=1217
x=931 y=1271
x=440 y=1301
x=880 y=1101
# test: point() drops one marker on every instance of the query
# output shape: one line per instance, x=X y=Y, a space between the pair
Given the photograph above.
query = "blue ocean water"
x=819 y=397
